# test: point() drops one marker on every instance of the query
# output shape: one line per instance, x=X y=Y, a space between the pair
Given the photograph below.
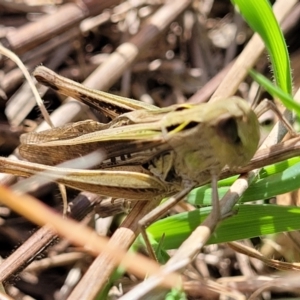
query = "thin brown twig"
x=81 y=235
x=42 y=238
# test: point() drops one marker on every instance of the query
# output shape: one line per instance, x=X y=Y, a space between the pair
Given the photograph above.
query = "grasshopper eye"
x=227 y=129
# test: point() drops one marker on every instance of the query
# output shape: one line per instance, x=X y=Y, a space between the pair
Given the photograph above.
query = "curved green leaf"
x=275 y=91
x=248 y=221
x=265 y=187
x=260 y=17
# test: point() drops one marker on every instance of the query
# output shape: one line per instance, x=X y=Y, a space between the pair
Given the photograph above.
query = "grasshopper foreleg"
x=159 y=212
x=216 y=212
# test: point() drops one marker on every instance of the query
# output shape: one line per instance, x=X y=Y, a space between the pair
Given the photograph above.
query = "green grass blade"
x=248 y=221
x=275 y=91
x=273 y=181
x=260 y=17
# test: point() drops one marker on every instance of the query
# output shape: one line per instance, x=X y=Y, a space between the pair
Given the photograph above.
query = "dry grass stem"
x=163 y=53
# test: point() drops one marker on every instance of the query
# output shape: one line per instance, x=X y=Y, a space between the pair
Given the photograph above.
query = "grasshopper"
x=150 y=152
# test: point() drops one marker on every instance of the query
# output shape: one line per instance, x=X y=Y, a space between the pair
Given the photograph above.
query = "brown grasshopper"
x=150 y=152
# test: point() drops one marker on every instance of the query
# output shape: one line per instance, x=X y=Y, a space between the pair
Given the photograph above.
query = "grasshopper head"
x=216 y=135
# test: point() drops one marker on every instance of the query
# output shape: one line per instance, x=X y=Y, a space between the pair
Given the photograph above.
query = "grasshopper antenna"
x=266 y=105
x=260 y=107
